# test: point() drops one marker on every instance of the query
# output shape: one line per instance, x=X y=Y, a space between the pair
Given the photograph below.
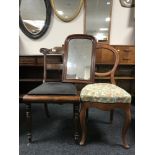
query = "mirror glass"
x=79 y=58
x=98 y=17
x=66 y=10
x=34 y=17
x=33 y=14
x=78 y=64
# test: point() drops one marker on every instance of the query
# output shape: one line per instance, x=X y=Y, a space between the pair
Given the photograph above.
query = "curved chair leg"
x=83 y=124
x=87 y=114
x=46 y=110
x=111 y=116
x=126 y=126
x=29 y=122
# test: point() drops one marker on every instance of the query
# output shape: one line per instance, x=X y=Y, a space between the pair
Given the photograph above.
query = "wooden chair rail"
x=50 y=99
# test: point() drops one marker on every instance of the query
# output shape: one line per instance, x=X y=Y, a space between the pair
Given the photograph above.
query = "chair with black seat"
x=75 y=46
x=105 y=96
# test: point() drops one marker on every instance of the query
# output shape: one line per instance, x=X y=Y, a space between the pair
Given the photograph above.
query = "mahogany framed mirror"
x=98 y=19
x=34 y=17
x=66 y=10
x=79 y=58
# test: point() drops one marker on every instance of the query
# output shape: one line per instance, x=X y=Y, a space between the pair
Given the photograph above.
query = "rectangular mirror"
x=79 y=58
x=98 y=19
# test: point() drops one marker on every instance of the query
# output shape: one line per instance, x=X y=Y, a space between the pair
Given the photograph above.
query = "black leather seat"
x=54 y=88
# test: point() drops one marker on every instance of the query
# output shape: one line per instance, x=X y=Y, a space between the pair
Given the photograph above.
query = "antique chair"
x=76 y=47
x=105 y=96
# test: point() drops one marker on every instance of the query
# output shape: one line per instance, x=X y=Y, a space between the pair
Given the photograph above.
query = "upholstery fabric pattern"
x=104 y=93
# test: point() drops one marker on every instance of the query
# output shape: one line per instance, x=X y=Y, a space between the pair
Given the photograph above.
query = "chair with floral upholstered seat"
x=105 y=96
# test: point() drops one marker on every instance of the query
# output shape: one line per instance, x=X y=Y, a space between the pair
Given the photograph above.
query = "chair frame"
x=106 y=107
x=60 y=99
x=45 y=99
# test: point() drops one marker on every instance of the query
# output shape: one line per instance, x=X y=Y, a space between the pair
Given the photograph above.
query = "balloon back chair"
x=76 y=47
x=105 y=96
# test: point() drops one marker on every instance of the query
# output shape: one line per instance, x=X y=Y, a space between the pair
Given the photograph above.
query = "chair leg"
x=76 y=122
x=29 y=122
x=46 y=110
x=87 y=114
x=126 y=126
x=83 y=124
x=111 y=116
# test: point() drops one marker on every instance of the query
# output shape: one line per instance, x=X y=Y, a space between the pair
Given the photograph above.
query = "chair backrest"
x=79 y=58
x=111 y=72
x=52 y=61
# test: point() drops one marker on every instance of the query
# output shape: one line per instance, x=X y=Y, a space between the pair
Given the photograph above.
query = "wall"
x=122 y=31
x=122 y=25
x=55 y=35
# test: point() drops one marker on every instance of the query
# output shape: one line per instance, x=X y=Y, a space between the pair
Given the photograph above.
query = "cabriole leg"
x=126 y=126
x=83 y=124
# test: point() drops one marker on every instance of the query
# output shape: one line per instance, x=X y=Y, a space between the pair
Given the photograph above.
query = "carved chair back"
x=111 y=72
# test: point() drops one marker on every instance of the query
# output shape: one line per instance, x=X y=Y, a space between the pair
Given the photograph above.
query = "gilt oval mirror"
x=34 y=17
x=66 y=10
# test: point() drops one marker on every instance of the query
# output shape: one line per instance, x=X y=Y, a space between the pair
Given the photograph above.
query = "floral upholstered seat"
x=104 y=93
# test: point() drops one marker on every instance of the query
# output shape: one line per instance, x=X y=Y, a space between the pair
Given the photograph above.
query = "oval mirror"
x=34 y=17
x=66 y=10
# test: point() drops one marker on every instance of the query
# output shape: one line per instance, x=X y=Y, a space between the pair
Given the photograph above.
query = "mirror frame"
x=125 y=4
x=103 y=41
x=93 y=57
x=75 y=14
x=45 y=27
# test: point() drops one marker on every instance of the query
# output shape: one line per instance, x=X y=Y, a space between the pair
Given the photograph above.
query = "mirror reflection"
x=67 y=10
x=98 y=17
x=79 y=59
x=33 y=14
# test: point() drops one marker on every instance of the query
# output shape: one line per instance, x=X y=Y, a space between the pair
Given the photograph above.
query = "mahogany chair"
x=105 y=96
x=75 y=47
